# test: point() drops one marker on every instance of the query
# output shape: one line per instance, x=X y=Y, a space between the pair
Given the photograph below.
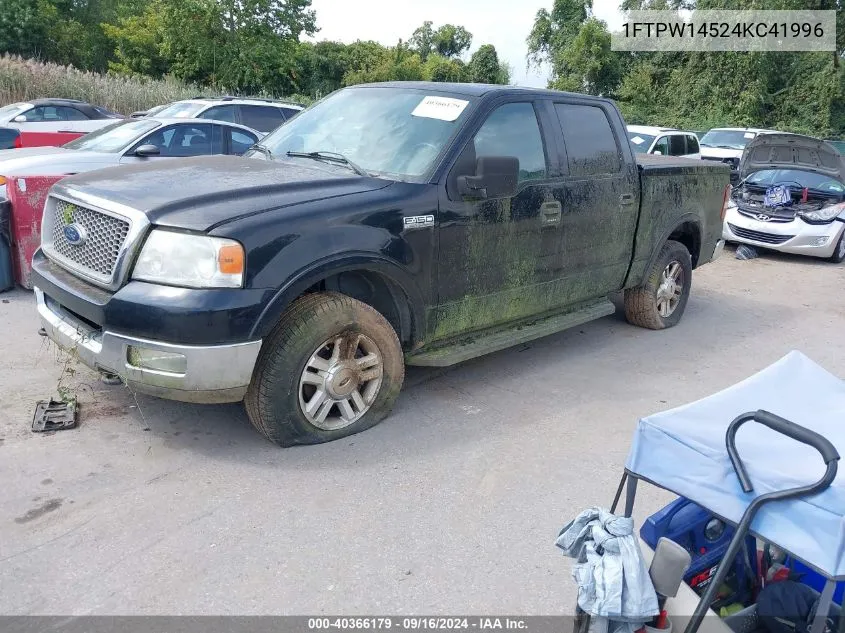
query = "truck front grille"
x=103 y=239
x=759 y=236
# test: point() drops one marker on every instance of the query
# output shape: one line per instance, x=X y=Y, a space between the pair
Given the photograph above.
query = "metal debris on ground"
x=54 y=415
x=744 y=251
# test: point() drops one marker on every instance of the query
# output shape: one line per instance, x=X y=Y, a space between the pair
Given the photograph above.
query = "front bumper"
x=796 y=237
x=213 y=373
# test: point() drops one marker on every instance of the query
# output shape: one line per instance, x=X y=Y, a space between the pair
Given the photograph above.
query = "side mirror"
x=21 y=118
x=147 y=150
x=668 y=567
x=657 y=152
x=495 y=177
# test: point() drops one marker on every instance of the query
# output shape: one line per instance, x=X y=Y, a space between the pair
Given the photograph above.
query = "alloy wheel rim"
x=340 y=381
x=671 y=289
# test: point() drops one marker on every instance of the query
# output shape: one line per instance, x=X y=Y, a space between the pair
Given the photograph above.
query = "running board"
x=502 y=339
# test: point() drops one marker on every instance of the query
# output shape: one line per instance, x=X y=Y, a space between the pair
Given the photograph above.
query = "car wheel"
x=332 y=367
x=839 y=252
x=661 y=300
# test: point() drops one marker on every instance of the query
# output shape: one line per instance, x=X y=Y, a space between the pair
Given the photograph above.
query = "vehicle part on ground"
x=54 y=415
x=332 y=367
x=660 y=302
x=744 y=251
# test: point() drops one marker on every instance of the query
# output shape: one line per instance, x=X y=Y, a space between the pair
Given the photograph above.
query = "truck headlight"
x=827 y=214
x=190 y=261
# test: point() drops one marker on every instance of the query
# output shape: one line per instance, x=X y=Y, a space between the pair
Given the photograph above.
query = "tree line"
x=261 y=47
x=797 y=92
x=239 y=46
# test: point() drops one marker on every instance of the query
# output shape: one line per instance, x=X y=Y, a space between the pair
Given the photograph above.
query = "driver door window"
x=180 y=141
x=512 y=130
x=662 y=146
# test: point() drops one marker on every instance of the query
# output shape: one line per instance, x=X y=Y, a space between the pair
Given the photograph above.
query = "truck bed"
x=669 y=194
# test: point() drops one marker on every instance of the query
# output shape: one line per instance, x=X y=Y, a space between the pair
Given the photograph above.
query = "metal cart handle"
x=795 y=431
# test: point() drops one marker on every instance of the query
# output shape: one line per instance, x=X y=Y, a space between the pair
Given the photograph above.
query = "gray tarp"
x=613 y=582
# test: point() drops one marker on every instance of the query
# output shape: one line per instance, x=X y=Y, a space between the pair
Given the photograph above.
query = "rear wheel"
x=661 y=300
x=839 y=252
x=331 y=368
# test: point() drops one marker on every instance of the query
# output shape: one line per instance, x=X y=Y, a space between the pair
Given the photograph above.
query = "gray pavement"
x=452 y=505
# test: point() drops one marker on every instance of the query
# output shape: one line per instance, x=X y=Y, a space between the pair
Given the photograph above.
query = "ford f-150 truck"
x=388 y=224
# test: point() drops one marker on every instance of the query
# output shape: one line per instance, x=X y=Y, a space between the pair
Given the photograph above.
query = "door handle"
x=626 y=198
x=550 y=213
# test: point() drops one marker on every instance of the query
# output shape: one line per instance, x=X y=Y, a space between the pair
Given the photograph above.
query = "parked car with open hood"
x=791 y=197
x=663 y=141
x=127 y=142
x=56 y=115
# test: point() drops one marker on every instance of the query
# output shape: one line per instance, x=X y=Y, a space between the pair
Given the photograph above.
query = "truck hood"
x=51 y=161
x=201 y=193
x=792 y=151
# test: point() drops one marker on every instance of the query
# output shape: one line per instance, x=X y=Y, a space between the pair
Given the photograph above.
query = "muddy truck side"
x=388 y=224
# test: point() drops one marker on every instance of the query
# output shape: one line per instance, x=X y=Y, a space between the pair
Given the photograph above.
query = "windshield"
x=390 y=132
x=640 y=142
x=10 y=111
x=839 y=145
x=727 y=139
x=113 y=138
x=808 y=179
x=184 y=110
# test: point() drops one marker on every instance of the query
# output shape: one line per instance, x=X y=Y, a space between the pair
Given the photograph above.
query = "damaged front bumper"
x=796 y=237
x=195 y=373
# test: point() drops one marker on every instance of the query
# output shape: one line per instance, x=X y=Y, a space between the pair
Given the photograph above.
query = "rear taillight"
x=17 y=142
x=726 y=198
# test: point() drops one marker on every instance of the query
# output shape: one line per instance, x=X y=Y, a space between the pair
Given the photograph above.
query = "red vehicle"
x=11 y=138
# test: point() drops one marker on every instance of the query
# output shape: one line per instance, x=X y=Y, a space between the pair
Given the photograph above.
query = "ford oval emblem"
x=75 y=234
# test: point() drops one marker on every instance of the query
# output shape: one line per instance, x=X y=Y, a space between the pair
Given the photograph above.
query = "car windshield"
x=796 y=177
x=839 y=145
x=10 y=111
x=392 y=132
x=640 y=142
x=113 y=138
x=727 y=139
x=182 y=110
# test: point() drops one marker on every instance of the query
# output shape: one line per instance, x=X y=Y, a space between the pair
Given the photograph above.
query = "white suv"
x=263 y=115
x=664 y=141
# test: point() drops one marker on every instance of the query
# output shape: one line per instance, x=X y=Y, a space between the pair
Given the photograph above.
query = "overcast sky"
x=503 y=23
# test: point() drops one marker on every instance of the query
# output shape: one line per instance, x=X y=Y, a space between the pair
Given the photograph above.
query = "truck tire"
x=661 y=300
x=332 y=367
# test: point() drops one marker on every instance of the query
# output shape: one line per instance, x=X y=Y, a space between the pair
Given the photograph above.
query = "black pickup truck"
x=388 y=224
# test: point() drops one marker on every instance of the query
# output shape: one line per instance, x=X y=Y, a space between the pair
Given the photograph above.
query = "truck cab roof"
x=476 y=90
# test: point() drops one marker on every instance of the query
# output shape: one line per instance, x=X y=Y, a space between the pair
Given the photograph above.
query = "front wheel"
x=332 y=367
x=661 y=300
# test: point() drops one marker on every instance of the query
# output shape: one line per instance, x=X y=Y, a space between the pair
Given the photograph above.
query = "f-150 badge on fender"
x=419 y=221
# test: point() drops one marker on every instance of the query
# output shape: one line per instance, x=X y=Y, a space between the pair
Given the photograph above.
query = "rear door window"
x=240 y=141
x=591 y=147
x=221 y=113
x=677 y=145
x=262 y=118
x=692 y=144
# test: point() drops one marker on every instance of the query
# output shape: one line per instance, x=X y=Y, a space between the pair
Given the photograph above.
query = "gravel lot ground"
x=451 y=506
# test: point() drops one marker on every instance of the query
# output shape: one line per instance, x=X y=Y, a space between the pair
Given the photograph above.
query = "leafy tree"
x=439 y=68
x=423 y=40
x=484 y=66
x=24 y=25
x=451 y=40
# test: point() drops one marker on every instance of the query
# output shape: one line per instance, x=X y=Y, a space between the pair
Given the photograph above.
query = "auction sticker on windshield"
x=638 y=140
x=443 y=108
